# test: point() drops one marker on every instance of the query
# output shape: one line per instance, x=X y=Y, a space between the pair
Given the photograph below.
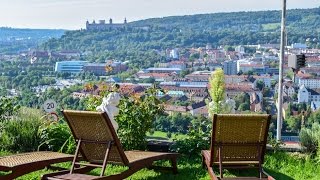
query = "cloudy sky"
x=72 y=14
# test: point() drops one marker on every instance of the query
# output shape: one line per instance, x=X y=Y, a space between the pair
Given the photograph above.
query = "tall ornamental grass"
x=20 y=133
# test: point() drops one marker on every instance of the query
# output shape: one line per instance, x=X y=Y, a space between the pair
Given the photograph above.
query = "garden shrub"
x=198 y=138
x=21 y=132
x=310 y=138
x=136 y=115
x=135 y=119
x=57 y=137
x=8 y=107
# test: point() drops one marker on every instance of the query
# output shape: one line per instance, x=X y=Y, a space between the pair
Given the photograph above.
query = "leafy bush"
x=136 y=115
x=198 y=138
x=21 y=133
x=275 y=144
x=310 y=138
x=57 y=137
x=8 y=107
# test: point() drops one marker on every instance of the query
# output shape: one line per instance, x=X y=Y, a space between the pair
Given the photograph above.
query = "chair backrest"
x=95 y=127
x=241 y=137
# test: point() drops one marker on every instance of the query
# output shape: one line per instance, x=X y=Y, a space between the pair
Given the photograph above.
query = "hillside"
x=257 y=20
x=13 y=40
x=144 y=47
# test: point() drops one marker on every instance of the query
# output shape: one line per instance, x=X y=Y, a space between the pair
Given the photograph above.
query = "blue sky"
x=72 y=14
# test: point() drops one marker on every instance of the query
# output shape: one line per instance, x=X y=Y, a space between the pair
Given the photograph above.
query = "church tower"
x=125 y=20
x=110 y=21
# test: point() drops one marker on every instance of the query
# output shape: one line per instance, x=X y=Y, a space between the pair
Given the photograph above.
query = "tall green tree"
x=217 y=91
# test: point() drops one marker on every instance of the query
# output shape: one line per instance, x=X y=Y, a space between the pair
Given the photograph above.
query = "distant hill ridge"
x=143 y=48
x=7 y=33
x=233 y=19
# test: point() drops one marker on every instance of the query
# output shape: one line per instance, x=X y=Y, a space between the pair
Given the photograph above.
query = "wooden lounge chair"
x=99 y=145
x=238 y=141
x=20 y=164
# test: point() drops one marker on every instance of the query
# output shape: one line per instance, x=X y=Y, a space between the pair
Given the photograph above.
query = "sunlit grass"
x=280 y=165
x=159 y=135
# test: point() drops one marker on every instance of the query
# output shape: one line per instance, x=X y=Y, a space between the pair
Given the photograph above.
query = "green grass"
x=159 y=135
x=280 y=165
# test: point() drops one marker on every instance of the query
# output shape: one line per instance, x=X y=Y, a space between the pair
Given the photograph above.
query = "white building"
x=289 y=90
x=298 y=46
x=242 y=61
x=174 y=53
x=303 y=95
x=308 y=82
x=240 y=49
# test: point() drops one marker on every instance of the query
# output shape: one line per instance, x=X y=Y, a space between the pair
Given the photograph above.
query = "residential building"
x=171 y=109
x=266 y=79
x=98 y=69
x=240 y=49
x=254 y=67
x=298 y=46
x=159 y=77
x=199 y=109
x=174 y=54
x=255 y=102
x=234 y=89
x=303 y=95
x=314 y=95
x=200 y=76
x=288 y=89
x=230 y=67
x=162 y=70
x=235 y=79
x=177 y=64
x=308 y=81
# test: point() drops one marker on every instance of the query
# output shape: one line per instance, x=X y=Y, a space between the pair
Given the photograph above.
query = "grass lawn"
x=159 y=135
x=280 y=165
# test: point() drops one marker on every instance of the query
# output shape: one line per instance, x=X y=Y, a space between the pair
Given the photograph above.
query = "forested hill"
x=13 y=40
x=7 y=34
x=261 y=20
x=143 y=47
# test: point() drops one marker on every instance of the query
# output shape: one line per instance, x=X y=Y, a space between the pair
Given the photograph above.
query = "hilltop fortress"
x=103 y=26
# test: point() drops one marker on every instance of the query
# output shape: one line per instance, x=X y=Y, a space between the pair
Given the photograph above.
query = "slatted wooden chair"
x=99 y=145
x=238 y=141
x=24 y=163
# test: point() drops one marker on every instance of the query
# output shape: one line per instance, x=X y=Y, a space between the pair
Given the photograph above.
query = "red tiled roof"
x=234 y=87
x=155 y=74
x=175 y=108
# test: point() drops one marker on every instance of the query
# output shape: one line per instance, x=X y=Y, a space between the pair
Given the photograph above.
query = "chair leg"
x=174 y=165
x=260 y=163
x=203 y=162
x=220 y=162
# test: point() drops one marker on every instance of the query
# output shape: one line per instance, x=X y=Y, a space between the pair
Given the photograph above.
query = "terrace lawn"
x=159 y=135
x=280 y=165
